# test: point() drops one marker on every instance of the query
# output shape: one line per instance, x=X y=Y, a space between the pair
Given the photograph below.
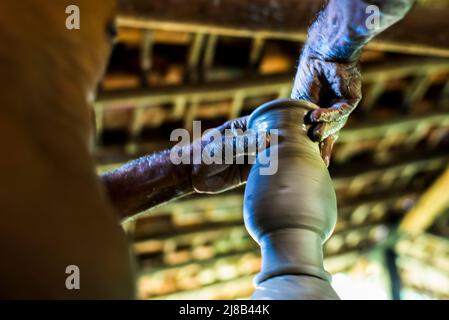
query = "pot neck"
x=261 y=113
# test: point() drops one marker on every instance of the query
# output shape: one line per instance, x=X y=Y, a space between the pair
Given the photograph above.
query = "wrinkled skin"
x=216 y=178
x=153 y=180
x=328 y=72
x=336 y=87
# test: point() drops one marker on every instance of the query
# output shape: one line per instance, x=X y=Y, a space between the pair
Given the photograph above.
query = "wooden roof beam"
x=286 y=19
x=431 y=205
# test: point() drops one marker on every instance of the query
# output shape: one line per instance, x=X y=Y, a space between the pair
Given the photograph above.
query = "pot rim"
x=273 y=104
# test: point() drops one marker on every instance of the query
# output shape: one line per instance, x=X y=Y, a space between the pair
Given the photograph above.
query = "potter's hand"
x=152 y=180
x=328 y=74
x=237 y=142
x=333 y=85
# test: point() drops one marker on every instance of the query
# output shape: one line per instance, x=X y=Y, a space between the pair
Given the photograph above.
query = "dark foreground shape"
x=290 y=213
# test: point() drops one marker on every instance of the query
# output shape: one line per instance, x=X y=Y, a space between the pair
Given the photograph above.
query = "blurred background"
x=178 y=61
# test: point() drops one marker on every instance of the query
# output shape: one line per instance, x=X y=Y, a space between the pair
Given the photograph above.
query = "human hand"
x=235 y=139
x=333 y=85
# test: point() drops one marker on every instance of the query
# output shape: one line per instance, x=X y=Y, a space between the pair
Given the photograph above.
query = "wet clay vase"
x=292 y=212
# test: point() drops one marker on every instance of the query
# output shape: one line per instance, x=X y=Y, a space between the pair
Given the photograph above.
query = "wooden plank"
x=432 y=204
x=286 y=19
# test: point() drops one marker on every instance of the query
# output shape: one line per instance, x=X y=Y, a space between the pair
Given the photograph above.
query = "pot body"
x=293 y=211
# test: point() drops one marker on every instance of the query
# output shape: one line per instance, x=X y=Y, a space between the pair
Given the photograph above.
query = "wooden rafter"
x=431 y=205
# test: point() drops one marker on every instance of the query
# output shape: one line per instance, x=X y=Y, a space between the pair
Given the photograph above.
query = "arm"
x=147 y=182
x=153 y=180
x=328 y=73
x=344 y=27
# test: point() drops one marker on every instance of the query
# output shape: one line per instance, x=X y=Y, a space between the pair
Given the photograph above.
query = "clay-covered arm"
x=147 y=182
x=158 y=178
x=328 y=71
x=344 y=27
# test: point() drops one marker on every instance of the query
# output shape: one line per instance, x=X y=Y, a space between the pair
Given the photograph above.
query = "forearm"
x=147 y=182
x=344 y=27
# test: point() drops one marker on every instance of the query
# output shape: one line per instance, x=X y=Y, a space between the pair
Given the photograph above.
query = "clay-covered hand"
x=154 y=179
x=328 y=73
x=333 y=85
x=223 y=165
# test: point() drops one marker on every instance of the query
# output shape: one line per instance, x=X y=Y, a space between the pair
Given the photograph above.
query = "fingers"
x=339 y=110
x=229 y=142
x=223 y=155
x=240 y=123
x=234 y=125
x=231 y=148
x=326 y=148
x=219 y=182
x=248 y=143
x=318 y=132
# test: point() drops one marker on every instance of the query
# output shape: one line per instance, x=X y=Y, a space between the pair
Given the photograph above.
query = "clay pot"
x=293 y=212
